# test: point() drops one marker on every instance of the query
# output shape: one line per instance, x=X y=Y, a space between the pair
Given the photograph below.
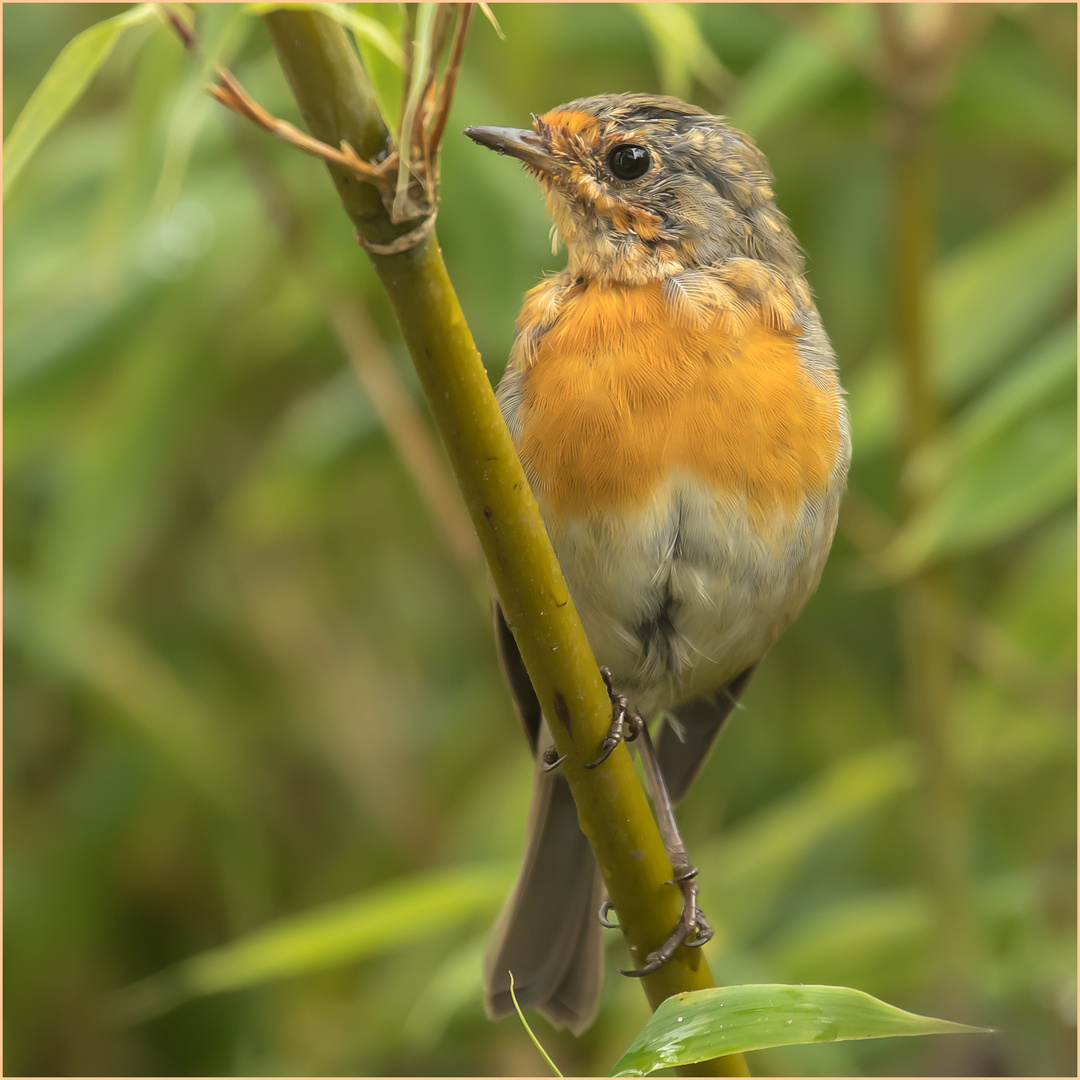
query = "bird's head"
x=642 y=187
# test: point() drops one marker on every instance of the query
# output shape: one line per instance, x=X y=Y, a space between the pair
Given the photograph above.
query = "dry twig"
x=406 y=177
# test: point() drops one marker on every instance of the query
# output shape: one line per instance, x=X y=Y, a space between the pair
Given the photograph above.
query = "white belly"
x=682 y=596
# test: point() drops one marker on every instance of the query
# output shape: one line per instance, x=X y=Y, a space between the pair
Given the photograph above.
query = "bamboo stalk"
x=338 y=106
x=918 y=61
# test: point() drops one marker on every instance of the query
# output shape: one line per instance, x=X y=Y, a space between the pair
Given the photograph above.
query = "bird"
x=675 y=403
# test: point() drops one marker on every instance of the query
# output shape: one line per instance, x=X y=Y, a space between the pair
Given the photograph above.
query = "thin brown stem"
x=449 y=84
x=444 y=16
x=406 y=428
x=233 y=96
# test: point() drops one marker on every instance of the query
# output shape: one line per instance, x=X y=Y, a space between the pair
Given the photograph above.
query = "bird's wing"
x=517 y=678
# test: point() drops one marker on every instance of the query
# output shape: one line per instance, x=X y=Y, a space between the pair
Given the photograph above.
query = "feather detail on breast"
x=613 y=389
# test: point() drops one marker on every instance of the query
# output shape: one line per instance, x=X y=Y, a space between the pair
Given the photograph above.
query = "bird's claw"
x=688 y=874
x=704 y=932
x=624 y=723
x=605 y=909
x=609 y=744
x=692 y=929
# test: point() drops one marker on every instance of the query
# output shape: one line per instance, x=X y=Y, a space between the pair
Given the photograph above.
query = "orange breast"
x=622 y=392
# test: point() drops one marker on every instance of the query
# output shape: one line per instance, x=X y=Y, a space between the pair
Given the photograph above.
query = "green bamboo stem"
x=926 y=616
x=917 y=74
x=337 y=103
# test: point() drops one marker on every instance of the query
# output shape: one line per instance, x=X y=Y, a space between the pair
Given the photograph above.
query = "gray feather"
x=682 y=748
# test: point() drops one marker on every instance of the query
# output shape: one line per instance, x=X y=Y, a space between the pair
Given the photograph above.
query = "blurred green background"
x=264 y=791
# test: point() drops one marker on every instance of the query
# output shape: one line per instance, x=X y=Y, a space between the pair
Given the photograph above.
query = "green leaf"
x=423 y=32
x=1044 y=374
x=64 y=83
x=373 y=32
x=1038 y=379
x=1036 y=605
x=1004 y=737
x=140 y=685
x=986 y=301
x=1007 y=460
x=367 y=27
x=799 y=71
x=693 y=1027
x=755 y=861
x=1012 y=102
x=1010 y=485
x=382 y=919
x=110 y=498
x=490 y=16
x=872 y=938
x=682 y=53
x=384 y=70
x=884 y=937
x=998 y=289
x=454 y=984
x=223 y=32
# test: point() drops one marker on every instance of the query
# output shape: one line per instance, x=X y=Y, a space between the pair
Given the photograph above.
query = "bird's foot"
x=692 y=929
x=624 y=723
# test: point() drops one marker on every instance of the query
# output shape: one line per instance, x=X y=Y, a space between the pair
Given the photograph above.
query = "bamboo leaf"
x=1040 y=376
x=759 y=857
x=142 y=687
x=110 y=494
x=1009 y=485
x=453 y=985
x=490 y=16
x=1013 y=103
x=799 y=71
x=223 y=32
x=885 y=935
x=1037 y=603
x=330 y=936
x=384 y=70
x=421 y=61
x=704 y=1024
x=1007 y=460
x=63 y=85
x=682 y=53
x=997 y=290
x=986 y=301
x=366 y=27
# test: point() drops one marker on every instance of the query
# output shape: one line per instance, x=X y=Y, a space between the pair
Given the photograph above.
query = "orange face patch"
x=571 y=132
x=621 y=393
x=570 y=123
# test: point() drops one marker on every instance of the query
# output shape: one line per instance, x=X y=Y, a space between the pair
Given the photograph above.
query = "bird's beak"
x=522 y=143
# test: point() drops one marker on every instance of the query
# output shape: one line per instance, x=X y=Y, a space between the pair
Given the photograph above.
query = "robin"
x=675 y=404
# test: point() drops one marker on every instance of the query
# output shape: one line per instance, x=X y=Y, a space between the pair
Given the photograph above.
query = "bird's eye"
x=628 y=162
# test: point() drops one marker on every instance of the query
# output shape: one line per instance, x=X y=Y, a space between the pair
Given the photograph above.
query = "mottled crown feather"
x=636 y=108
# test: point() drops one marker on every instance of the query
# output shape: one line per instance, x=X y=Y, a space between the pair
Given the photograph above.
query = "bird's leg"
x=693 y=928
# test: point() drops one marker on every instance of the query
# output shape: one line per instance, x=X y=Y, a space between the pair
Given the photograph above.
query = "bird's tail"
x=548 y=934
